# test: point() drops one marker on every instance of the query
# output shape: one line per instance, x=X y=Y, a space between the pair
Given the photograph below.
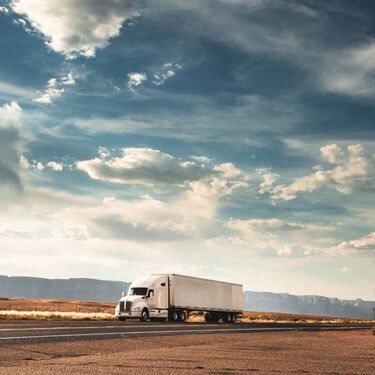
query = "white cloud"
x=269 y=178
x=68 y=80
x=191 y=214
x=331 y=153
x=362 y=245
x=39 y=166
x=51 y=92
x=24 y=162
x=21 y=22
x=136 y=79
x=103 y=152
x=145 y=166
x=55 y=88
x=350 y=171
x=166 y=72
x=55 y=166
x=74 y=27
x=4 y=10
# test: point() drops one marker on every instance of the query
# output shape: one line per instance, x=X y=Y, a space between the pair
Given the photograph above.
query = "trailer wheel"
x=227 y=318
x=234 y=318
x=182 y=316
x=121 y=318
x=144 y=315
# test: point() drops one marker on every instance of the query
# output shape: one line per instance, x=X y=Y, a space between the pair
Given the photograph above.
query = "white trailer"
x=174 y=297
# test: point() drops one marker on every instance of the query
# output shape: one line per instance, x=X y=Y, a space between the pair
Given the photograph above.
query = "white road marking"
x=171 y=331
x=89 y=327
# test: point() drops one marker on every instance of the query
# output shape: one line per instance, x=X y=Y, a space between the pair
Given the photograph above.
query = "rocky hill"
x=101 y=290
x=314 y=305
x=79 y=289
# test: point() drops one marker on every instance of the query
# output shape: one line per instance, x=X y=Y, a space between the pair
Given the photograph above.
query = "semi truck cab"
x=147 y=298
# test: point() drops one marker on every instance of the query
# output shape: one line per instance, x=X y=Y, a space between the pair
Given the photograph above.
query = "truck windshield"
x=138 y=292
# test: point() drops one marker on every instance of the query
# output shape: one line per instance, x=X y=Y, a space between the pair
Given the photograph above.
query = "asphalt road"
x=60 y=331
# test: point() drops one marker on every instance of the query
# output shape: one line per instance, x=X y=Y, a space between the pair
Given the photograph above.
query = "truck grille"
x=125 y=306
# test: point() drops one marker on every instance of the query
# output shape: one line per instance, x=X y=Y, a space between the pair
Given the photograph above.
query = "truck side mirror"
x=150 y=293
x=123 y=294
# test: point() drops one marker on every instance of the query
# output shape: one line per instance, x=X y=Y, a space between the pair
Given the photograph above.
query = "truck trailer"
x=173 y=297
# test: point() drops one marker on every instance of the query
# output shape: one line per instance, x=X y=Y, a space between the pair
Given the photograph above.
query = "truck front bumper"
x=128 y=314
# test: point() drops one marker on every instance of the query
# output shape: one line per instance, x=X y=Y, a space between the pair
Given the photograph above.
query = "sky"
x=229 y=139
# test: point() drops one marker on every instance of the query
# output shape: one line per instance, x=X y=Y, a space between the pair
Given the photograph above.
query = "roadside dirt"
x=350 y=352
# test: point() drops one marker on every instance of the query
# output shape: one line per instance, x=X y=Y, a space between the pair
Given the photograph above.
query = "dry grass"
x=57 y=315
x=30 y=304
x=44 y=309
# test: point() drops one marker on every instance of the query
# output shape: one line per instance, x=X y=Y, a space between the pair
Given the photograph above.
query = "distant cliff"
x=101 y=290
x=314 y=305
x=80 y=289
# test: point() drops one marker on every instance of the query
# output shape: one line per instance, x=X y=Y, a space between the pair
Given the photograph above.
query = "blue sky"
x=230 y=139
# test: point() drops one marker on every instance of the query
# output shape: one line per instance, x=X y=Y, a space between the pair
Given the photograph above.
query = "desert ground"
x=349 y=352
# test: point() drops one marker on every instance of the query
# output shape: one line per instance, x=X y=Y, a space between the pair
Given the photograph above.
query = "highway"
x=112 y=347
x=59 y=331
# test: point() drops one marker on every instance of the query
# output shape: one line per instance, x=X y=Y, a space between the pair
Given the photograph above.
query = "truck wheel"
x=144 y=315
x=121 y=318
x=182 y=316
x=175 y=316
x=208 y=317
x=227 y=318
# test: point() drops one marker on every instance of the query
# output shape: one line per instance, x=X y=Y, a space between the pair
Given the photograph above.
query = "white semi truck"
x=174 y=297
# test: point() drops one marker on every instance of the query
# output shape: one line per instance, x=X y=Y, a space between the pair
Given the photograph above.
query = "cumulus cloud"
x=351 y=170
x=364 y=245
x=136 y=79
x=145 y=166
x=190 y=213
x=149 y=219
x=55 y=166
x=55 y=88
x=10 y=144
x=38 y=165
x=76 y=27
